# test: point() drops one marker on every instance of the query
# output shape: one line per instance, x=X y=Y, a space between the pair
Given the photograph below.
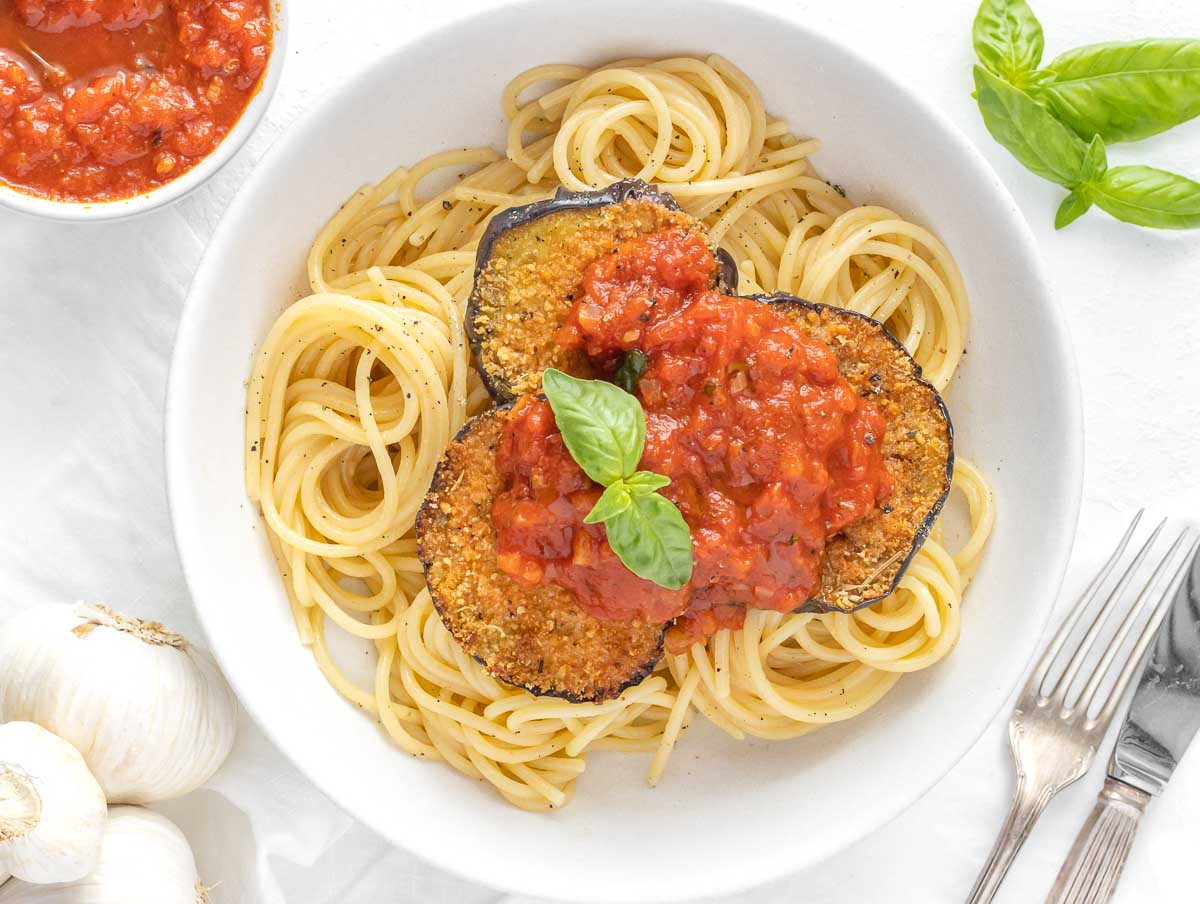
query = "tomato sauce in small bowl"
x=112 y=107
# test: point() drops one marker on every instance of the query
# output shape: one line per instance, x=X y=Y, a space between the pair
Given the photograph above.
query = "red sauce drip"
x=770 y=451
x=106 y=99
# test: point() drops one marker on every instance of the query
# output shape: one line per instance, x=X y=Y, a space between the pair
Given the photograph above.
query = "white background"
x=87 y=316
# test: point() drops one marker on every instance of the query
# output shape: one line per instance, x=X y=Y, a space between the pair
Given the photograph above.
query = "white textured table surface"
x=86 y=323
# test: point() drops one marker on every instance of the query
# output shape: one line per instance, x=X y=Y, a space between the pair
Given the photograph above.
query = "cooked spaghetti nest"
x=360 y=386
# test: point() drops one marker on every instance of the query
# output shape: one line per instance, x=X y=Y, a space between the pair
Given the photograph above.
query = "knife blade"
x=1165 y=712
x=1162 y=720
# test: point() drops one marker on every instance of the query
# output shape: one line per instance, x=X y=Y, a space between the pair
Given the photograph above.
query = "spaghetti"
x=360 y=386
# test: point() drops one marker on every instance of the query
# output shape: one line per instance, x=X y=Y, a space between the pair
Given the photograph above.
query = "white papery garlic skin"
x=144 y=859
x=150 y=713
x=52 y=811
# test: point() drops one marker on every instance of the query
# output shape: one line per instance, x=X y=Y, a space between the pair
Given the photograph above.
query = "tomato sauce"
x=106 y=99
x=769 y=450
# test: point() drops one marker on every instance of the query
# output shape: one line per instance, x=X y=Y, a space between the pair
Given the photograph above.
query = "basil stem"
x=1117 y=91
x=1077 y=203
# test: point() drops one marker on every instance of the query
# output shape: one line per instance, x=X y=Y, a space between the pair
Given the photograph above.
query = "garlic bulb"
x=144 y=859
x=52 y=811
x=150 y=713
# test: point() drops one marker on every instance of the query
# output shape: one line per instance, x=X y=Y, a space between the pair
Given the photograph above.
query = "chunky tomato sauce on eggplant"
x=769 y=450
x=105 y=99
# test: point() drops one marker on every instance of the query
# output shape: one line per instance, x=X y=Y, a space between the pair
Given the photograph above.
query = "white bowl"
x=727 y=814
x=169 y=192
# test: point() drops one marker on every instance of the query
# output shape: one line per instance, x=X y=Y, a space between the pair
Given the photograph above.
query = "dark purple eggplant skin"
x=426 y=518
x=636 y=189
x=624 y=190
x=646 y=667
x=926 y=525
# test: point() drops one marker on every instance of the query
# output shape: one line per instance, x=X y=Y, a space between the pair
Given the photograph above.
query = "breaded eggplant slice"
x=864 y=562
x=529 y=271
x=536 y=638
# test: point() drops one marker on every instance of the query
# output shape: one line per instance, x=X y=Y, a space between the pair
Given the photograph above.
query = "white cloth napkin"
x=87 y=316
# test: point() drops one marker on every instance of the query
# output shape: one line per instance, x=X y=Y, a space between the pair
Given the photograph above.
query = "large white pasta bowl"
x=728 y=814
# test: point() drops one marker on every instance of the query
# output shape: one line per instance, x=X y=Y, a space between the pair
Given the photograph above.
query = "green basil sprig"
x=1124 y=90
x=604 y=429
x=1091 y=170
x=1056 y=120
x=1141 y=195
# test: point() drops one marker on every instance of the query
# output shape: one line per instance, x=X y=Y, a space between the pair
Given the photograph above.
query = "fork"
x=1053 y=743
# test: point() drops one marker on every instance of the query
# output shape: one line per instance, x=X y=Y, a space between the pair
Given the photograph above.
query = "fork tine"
x=1149 y=592
x=1034 y=685
x=1063 y=684
x=1147 y=636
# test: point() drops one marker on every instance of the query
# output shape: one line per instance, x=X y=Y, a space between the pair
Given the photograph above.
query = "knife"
x=1162 y=718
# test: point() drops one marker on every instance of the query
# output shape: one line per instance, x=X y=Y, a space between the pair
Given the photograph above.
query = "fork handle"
x=1090 y=873
x=1027 y=806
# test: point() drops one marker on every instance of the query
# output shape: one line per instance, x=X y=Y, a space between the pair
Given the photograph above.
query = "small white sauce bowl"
x=169 y=192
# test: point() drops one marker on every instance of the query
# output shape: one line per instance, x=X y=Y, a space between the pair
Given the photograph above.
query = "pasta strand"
x=359 y=387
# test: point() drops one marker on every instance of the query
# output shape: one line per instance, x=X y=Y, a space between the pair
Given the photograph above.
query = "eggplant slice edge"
x=865 y=561
x=537 y=637
x=529 y=267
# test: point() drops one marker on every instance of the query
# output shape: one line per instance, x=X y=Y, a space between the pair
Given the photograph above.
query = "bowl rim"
x=170 y=192
x=1060 y=539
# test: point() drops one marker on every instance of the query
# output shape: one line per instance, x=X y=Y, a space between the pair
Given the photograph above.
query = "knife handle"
x=1090 y=873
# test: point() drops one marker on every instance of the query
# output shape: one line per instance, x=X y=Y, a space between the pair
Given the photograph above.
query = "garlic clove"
x=144 y=859
x=150 y=713
x=52 y=811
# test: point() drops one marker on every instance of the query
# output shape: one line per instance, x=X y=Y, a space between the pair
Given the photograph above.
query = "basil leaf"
x=602 y=426
x=604 y=429
x=633 y=365
x=653 y=541
x=1147 y=196
x=1029 y=131
x=644 y=482
x=1079 y=201
x=1124 y=90
x=1008 y=39
x=1074 y=205
x=612 y=502
x=1095 y=161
